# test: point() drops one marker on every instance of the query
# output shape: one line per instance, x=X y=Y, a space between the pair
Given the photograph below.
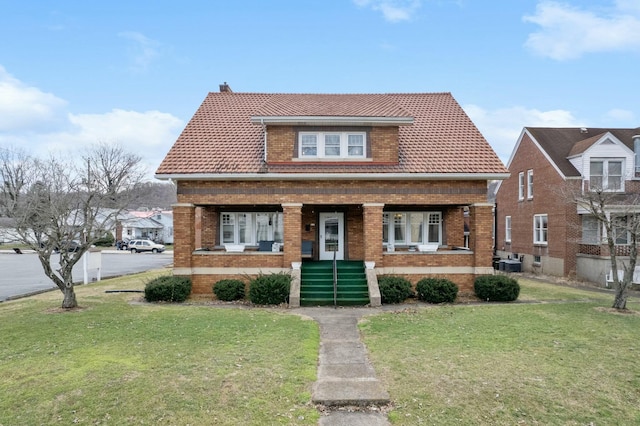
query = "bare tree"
x=112 y=170
x=618 y=216
x=55 y=202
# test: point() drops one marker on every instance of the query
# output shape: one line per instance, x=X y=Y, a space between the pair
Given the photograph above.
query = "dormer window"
x=606 y=175
x=332 y=144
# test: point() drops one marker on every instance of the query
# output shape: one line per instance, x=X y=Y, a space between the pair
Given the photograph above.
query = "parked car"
x=138 y=246
x=122 y=244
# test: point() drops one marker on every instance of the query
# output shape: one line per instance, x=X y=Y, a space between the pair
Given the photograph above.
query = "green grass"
x=115 y=362
x=568 y=361
x=565 y=361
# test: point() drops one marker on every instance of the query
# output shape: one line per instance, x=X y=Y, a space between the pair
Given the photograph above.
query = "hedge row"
x=491 y=288
x=265 y=289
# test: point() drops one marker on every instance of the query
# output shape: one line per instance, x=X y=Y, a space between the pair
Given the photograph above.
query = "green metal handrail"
x=335 y=281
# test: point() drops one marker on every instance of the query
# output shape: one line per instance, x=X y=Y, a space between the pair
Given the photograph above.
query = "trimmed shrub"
x=496 y=288
x=168 y=288
x=436 y=290
x=394 y=289
x=229 y=290
x=270 y=289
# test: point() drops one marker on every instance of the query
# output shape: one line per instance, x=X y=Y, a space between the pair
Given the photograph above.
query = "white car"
x=138 y=246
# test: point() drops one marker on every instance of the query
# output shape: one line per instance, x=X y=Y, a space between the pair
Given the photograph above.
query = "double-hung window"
x=590 y=230
x=540 y=227
x=529 y=184
x=411 y=228
x=521 y=186
x=336 y=145
x=250 y=228
x=620 y=230
x=507 y=229
x=606 y=175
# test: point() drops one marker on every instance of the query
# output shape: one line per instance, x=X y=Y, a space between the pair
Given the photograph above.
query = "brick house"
x=267 y=180
x=551 y=234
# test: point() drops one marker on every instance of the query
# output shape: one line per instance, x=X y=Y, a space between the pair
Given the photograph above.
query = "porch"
x=409 y=240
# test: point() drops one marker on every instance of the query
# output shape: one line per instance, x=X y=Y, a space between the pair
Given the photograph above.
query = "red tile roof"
x=220 y=139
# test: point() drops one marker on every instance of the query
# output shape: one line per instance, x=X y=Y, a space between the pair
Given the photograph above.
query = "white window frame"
x=591 y=230
x=521 y=186
x=430 y=219
x=507 y=229
x=346 y=148
x=530 y=184
x=621 y=235
x=540 y=229
x=605 y=174
x=252 y=225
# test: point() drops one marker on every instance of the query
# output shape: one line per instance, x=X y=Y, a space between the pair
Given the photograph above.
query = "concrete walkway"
x=347 y=385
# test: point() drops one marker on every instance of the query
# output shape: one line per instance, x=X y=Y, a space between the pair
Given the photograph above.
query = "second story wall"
x=546 y=199
x=381 y=143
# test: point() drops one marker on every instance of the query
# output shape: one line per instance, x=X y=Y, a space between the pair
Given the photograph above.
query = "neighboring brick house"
x=542 y=226
x=372 y=177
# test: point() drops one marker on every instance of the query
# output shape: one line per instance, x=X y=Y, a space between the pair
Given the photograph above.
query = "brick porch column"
x=209 y=226
x=292 y=213
x=372 y=228
x=454 y=219
x=480 y=233
x=184 y=229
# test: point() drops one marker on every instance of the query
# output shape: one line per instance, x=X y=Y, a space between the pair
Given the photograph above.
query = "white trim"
x=320 y=146
x=303 y=120
x=537 y=230
x=332 y=176
x=430 y=270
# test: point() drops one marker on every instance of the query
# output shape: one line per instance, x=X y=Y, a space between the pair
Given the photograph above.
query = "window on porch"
x=249 y=228
x=411 y=228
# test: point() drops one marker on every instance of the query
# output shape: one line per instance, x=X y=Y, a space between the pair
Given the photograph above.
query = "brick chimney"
x=224 y=88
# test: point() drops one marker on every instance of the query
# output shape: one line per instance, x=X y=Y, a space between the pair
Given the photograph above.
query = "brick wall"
x=332 y=192
x=282 y=144
x=547 y=199
x=361 y=201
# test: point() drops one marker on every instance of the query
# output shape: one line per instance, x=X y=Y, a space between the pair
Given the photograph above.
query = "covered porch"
x=223 y=241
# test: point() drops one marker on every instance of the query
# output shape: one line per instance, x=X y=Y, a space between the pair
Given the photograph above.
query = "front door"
x=331 y=236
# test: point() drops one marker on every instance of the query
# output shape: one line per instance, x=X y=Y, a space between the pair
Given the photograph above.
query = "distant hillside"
x=151 y=195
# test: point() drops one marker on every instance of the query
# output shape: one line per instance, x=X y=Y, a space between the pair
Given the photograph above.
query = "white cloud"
x=392 y=10
x=567 y=32
x=27 y=120
x=26 y=108
x=622 y=116
x=142 y=50
x=502 y=127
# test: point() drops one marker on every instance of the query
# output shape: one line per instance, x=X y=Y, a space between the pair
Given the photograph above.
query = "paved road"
x=22 y=274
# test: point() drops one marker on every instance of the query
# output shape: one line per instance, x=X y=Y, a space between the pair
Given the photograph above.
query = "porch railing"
x=603 y=250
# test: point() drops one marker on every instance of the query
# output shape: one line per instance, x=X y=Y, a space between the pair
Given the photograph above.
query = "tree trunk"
x=620 y=300
x=69 y=301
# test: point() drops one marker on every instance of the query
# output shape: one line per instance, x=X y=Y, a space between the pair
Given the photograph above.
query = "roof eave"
x=331 y=176
x=304 y=120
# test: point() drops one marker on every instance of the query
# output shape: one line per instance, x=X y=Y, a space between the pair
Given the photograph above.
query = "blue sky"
x=133 y=72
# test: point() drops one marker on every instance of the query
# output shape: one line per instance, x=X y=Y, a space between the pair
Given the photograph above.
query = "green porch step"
x=317 y=283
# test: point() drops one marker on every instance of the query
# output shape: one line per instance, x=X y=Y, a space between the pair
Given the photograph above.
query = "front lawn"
x=558 y=356
x=117 y=363
x=564 y=363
